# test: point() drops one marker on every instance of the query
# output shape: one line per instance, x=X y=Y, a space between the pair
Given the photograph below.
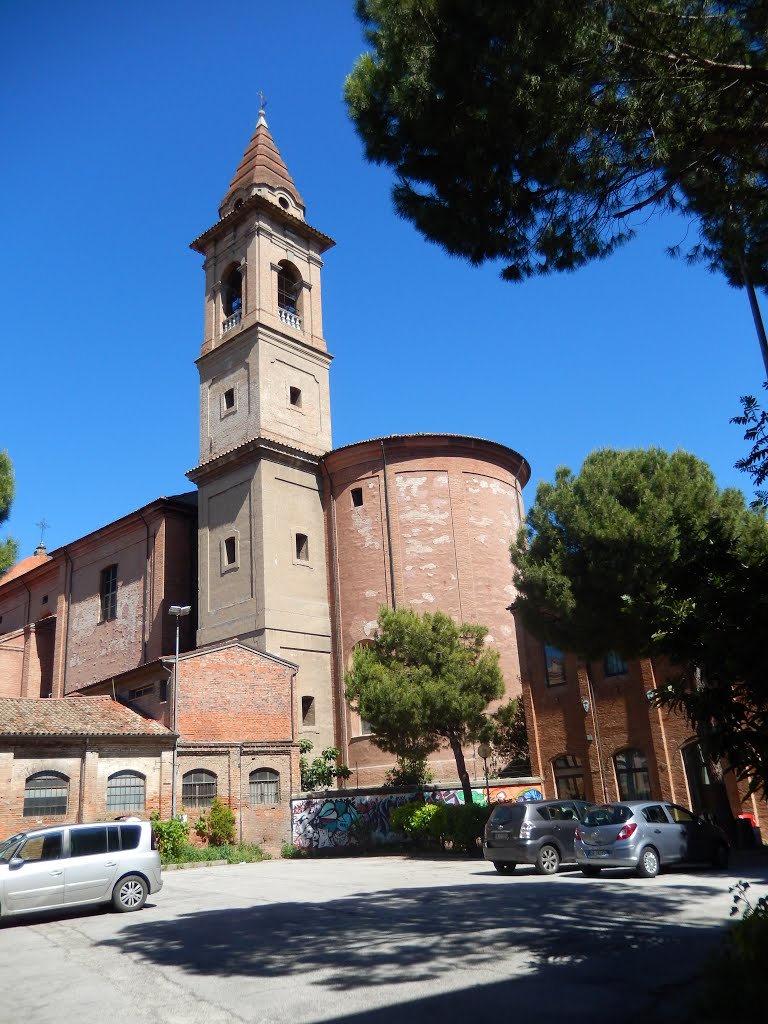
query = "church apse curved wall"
x=427 y=519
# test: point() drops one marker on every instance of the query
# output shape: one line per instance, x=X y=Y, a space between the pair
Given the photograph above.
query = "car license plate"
x=597 y=853
x=501 y=835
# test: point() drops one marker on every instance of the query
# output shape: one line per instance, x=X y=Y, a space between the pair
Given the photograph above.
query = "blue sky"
x=123 y=125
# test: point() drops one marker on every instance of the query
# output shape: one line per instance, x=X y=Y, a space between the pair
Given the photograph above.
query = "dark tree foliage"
x=755 y=464
x=534 y=131
x=424 y=682
x=642 y=554
x=8 y=547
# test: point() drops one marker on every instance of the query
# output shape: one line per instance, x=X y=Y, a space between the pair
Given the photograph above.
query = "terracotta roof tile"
x=73 y=716
x=263 y=165
x=25 y=565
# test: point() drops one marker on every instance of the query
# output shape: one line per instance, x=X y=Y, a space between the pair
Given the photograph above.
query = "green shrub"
x=460 y=826
x=323 y=771
x=736 y=982
x=233 y=853
x=408 y=773
x=413 y=819
x=289 y=851
x=218 y=826
x=171 y=836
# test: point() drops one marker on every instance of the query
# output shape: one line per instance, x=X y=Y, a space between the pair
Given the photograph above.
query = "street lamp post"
x=178 y=610
x=485 y=751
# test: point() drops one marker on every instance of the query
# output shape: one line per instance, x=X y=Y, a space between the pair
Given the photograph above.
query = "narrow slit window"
x=302 y=547
x=307 y=710
x=108 y=593
x=295 y=397
x=357 y=497
x=230 y=551
x=229 y=399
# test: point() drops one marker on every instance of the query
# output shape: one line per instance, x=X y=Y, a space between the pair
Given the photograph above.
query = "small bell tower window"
x=289 y=294
x=232 y=298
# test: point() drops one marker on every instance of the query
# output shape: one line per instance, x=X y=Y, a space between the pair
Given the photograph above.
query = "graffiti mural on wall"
x=336 y=820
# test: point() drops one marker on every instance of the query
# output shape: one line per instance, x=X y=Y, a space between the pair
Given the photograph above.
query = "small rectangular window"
x=357 y=497
x=163 y=691
x=614 y=665
x=295 y=397
x=141 y=691
x=307 y=710
x=302 y=547
x=554 y=664
x=45 y=599
x=230 y=551
x=108 y=593
x=229 y=398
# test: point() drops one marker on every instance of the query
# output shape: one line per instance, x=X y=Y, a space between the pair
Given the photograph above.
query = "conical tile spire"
x=262 y=168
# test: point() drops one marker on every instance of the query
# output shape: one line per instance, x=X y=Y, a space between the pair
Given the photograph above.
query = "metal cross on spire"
x=43 y=525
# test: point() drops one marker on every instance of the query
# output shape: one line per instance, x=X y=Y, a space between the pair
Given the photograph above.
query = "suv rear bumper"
x=515 y=851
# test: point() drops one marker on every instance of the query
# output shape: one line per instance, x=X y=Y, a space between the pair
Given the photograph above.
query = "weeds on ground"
x=232 y=853
x=736 y=981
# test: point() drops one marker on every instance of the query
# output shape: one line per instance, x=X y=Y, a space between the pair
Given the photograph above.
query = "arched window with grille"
x=46 y=794
x=632 y=775
x=198 y=788
x=126 y=791
x=264 y=787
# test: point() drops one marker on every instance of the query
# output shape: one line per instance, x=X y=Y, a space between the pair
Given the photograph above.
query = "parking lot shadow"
x=577 y=934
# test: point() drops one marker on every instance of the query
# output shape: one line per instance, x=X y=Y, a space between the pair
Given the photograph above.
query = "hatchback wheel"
x=547 y=860
x=130 y=893
x=504 y=867
x=648 y=865
x=721 y=856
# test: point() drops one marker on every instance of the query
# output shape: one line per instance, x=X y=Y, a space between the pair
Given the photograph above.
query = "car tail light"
x=525 y=830
x=627 y=831
x=577 y=835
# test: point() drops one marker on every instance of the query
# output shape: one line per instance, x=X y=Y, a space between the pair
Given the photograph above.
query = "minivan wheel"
x=648 y=865
x=547 y=860
x=130 y=893
x=504 y=867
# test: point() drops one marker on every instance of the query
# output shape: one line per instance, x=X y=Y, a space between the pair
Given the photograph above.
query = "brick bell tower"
x=265 y=420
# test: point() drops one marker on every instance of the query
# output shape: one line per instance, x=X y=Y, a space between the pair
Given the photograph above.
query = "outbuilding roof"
x=73 y=716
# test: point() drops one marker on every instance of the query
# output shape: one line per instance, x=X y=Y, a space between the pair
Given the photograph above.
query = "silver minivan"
x=77 y=865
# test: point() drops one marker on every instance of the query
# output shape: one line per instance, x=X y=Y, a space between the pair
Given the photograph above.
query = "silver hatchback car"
x=646 y=835
x=76 y=865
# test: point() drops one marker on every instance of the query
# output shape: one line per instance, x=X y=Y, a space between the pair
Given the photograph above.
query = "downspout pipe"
x=336 y=638
x=144 y=596
x=389 y=528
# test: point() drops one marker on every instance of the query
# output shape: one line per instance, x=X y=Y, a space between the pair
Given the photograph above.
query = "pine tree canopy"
x=642 y=554
x=540 y=133
x=423 y=682
x=8 y=547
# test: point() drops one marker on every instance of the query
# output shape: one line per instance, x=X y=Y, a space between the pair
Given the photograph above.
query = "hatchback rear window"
x=505 y=814
x=615 y=814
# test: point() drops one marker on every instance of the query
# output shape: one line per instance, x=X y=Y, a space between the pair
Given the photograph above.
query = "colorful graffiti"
x=338 y=820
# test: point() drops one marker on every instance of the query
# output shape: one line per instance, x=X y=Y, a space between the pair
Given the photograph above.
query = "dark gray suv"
x=538 y=832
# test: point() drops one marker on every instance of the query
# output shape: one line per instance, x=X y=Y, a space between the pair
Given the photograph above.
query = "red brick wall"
x=454 y=506
x=620 y=716
x=234 y=694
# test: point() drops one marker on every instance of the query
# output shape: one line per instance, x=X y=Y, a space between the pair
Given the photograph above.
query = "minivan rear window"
x=131 y=835
x=610 y=814
x=504 y=814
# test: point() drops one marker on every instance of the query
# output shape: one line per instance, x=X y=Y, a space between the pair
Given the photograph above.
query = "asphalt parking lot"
x=386 y=940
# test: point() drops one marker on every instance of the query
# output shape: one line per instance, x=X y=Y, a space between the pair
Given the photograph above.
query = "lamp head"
x=179 y=609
